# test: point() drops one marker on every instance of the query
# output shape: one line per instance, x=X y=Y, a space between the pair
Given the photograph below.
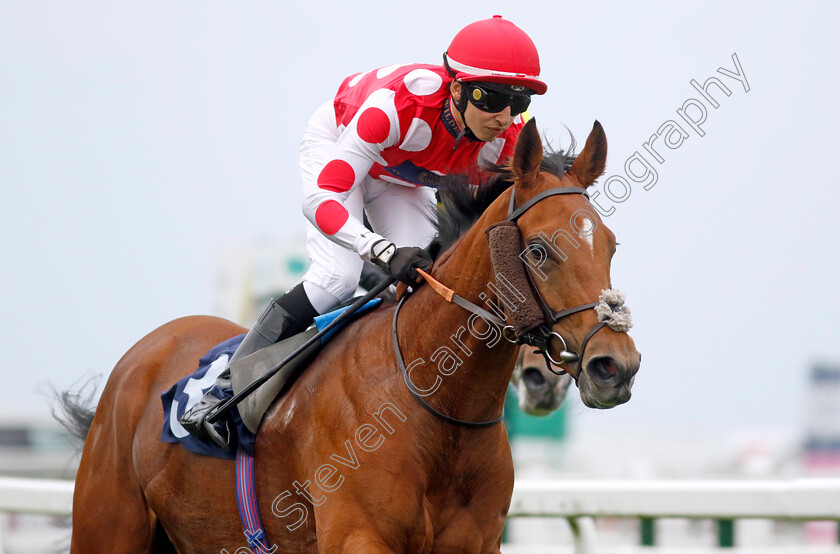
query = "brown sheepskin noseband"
x=505 y=242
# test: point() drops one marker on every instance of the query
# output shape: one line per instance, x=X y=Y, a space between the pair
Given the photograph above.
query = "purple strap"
x=246 y=500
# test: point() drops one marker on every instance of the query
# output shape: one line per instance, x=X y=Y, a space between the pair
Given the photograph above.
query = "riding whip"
x=216 y=412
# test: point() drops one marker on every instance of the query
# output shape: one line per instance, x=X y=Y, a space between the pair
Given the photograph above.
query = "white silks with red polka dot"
x=381 y=146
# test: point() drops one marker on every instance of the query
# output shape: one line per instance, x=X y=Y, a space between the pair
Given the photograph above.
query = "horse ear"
x=527 y=155
x=591 y=162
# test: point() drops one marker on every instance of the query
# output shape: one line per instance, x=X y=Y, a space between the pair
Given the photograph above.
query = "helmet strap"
x=465 y=132
x=461 y=106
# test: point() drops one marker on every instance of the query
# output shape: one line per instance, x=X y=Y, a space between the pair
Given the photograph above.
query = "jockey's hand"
x=400 y=263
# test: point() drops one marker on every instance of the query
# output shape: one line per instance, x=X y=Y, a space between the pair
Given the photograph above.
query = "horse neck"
x=445 y=335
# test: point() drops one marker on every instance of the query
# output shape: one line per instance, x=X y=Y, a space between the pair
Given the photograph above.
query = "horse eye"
x=538 y=249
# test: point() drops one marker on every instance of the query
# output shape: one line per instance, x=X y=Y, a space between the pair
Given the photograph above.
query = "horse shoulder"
x=346 y=423
x=339 y=391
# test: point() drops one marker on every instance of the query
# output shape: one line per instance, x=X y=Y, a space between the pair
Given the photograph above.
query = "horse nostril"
x=604 y=369
x=533 y=377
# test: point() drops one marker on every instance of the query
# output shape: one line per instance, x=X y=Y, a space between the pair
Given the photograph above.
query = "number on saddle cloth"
x=249 y=413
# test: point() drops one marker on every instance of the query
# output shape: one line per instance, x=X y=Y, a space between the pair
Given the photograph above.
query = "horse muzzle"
x=606 y=380
x=540 y=392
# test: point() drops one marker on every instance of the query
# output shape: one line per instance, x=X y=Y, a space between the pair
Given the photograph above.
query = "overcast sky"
x=139 y=140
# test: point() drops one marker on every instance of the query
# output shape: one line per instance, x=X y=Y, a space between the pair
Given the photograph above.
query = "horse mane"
x=462 y=203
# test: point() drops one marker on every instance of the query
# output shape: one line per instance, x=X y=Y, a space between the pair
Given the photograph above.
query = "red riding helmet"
x=496 y=51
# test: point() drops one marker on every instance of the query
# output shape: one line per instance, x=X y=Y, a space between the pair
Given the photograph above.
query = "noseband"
x=533 y=319
x=533 y=330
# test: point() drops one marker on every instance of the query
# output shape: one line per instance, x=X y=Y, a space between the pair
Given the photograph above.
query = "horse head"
x=540 y=390
x=567 y=252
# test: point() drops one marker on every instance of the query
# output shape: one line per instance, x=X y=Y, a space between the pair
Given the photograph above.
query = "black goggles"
x=493 y=101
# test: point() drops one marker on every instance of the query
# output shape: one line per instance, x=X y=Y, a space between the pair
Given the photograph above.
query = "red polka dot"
x=374 y=126
x=337 y=176
x=330 y=217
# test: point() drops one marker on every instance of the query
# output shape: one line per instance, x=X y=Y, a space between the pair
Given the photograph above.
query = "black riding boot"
x=282 y=318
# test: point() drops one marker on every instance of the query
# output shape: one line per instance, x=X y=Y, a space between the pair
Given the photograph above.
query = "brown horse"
x=540 y=391
x=348 y=460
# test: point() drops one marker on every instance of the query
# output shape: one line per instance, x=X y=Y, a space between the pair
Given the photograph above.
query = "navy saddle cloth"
x=185 y=393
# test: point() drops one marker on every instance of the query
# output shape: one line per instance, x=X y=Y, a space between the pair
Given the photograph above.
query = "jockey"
x=379 y=148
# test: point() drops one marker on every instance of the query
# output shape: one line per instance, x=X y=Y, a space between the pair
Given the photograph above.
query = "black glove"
x=400 y=263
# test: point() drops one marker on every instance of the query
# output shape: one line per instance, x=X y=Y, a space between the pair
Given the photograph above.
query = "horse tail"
x=74 y=409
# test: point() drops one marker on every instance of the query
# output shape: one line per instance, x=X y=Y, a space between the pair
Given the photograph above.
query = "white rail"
x=36 y=496
x=577 y=501
x=798 y=499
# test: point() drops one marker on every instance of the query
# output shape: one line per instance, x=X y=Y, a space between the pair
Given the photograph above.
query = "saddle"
x=248 y=414
x=248 y=369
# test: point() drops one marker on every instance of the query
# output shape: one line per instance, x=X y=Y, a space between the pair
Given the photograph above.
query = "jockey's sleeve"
x=374 y=127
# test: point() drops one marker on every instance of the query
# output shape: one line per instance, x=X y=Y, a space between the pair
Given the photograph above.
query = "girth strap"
x=246 y=501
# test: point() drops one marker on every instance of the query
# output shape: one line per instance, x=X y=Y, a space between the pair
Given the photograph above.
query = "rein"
x=533 y=328
x=419 y=398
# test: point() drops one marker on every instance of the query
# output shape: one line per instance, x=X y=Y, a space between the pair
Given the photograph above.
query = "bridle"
x=540 y=335
x=537 y=334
